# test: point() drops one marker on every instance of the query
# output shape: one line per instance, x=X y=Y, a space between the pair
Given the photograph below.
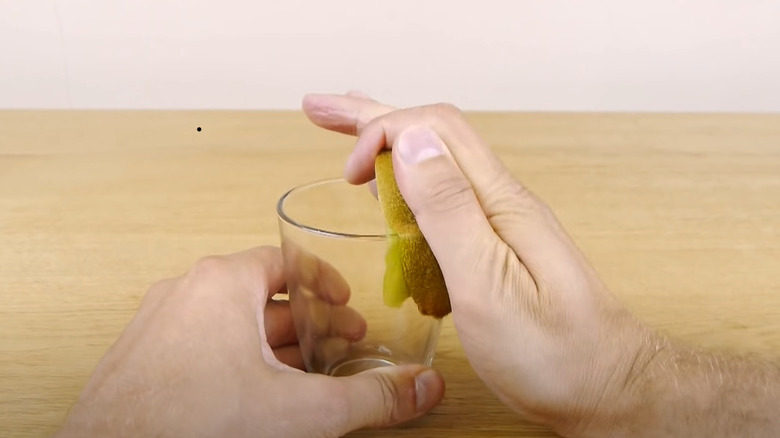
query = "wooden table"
x=679 y=213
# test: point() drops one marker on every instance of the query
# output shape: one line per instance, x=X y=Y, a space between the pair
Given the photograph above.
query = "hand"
x=211 y=354
x=327 y=326
x=537 y=324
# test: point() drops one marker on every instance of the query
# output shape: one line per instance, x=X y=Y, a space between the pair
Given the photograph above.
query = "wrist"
x=618 y=406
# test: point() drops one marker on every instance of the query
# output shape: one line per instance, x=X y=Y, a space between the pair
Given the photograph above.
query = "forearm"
x=678 y=391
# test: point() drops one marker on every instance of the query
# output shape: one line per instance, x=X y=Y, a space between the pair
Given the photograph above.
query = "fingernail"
x=418 y=144
x=422 y=386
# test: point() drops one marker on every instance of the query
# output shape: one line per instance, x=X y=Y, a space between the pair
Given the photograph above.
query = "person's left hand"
x=211 y=354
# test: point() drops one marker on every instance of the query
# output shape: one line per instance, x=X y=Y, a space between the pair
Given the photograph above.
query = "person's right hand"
x=537 y=324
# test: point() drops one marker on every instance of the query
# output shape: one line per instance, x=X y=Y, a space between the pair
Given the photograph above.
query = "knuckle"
x=447 y=194
x=536 y=208
x=209 y=267
x=362 y=120
x=265 y=250
x=389 y=394
x=527 y=201
x=544 y=209
x=446 y=110
x=521 y=201
x=159 y=289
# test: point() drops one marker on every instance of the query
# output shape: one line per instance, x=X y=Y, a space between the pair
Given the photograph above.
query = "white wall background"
x=615 y=55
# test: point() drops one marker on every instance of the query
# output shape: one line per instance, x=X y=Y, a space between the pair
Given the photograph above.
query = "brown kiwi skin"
x=422 y=272
x=427 y=286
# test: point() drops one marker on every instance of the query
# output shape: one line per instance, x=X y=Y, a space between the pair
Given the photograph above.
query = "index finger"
x=259 y=269
x=306 y=270
x=344 y=114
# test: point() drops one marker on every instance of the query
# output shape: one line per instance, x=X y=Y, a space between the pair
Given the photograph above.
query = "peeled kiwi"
x=410 y=267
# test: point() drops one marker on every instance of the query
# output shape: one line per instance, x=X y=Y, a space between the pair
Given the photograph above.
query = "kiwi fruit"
x=411 y=270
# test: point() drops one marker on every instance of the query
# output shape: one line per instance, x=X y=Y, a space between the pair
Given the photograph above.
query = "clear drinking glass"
x=334 y=243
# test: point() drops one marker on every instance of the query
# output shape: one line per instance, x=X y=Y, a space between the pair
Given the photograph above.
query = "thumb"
x=444 y=205
x=386 y=396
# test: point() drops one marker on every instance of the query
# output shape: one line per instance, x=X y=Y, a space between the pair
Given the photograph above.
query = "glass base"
x=354 y=366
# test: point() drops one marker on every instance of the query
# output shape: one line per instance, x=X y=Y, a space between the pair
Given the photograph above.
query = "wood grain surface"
x=679 y=213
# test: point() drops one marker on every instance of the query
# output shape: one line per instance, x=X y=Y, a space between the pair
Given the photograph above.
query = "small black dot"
x=198 y=128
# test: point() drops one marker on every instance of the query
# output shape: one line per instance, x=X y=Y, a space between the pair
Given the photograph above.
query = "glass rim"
x=317 y=230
